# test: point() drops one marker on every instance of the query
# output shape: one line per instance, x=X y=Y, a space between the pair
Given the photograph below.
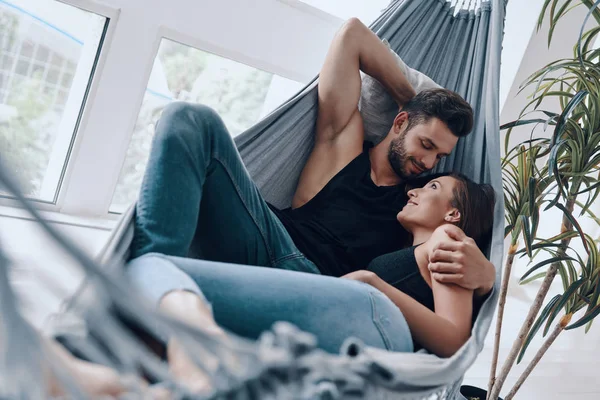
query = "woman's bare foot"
x=185 y=371
x=191 y=309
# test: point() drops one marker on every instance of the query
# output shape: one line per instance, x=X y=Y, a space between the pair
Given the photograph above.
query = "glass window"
x=49 y=91
x=239 y=93
x=37 y=71
x=66 y=81
x=27 y=48
x=63 y=95
x=22 y=67
x=35 y=132
x=52 y=76
x=57 y=60
x=7 y=62
x=42 y=54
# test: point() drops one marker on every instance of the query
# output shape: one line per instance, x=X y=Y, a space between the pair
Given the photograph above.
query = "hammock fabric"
x=459 y=47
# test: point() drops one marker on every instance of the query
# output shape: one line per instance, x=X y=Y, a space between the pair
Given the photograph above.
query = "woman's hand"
x=455 y=258
x=362 y=276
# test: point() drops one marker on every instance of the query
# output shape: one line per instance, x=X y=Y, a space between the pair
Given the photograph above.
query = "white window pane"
x=66 y=81
x=57 y=60
x=52 y=76
x=22 y=67
x=42 y=54
x=27 y=48
x=37 y=119
x=6 y=62
x=239 y=93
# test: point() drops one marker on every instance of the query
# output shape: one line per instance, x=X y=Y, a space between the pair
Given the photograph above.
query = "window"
x=41 y=95
x=239 y=93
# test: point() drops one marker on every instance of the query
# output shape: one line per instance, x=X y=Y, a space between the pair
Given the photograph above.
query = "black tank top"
x=401 y=270
x=349 y=222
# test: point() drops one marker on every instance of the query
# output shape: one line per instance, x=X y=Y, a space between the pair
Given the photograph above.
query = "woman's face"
x=430 y=206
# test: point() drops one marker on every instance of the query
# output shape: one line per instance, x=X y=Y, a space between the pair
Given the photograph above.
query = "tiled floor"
x=568 y=371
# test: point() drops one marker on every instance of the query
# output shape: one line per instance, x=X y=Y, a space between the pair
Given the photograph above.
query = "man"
x=196 y=189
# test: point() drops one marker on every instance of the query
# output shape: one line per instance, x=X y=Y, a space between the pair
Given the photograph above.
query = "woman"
x=439 y=315
x=248 y=300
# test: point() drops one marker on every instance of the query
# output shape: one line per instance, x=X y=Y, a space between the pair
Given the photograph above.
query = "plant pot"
x=474 y=393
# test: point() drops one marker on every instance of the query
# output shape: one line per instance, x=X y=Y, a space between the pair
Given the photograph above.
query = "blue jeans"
x=197 y=199
x=248 y=300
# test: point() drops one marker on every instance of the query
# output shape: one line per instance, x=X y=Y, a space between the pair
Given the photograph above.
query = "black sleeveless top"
x=400 y=269
x=349 y=222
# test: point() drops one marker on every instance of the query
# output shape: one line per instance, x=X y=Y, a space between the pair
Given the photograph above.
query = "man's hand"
x=455 y=258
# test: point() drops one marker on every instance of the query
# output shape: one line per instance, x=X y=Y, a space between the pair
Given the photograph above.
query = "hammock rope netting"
x=455 y=43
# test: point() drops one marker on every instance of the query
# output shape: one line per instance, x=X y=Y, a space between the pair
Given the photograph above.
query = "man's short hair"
x=443 y=104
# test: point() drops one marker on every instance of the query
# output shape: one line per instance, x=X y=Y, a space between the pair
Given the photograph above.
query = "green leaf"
x=575 y=223
x=560 y=125
x=587 y=317
x=552 y=160
x=527 y=234
x=517 y=230
x=539 y=246
x=536 y=326
x=521 y=122
x=588 y=189
x=564 y=298
x=532 y=278
x=532 y=201
x=544 y=263
x=562 y=236
x=553 y=202
x=508 y=229
x=588 y=326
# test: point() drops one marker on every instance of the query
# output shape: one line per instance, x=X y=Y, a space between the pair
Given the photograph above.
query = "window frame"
x=111 y=14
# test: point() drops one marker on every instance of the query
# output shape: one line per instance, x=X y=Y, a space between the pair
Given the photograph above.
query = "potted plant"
x=559 y=170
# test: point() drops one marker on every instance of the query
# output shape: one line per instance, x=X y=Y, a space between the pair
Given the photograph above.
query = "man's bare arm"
x=339 y=132
x=355 y=48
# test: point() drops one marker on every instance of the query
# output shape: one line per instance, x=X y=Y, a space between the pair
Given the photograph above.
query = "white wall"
x=521 y=20
x=537 y=54
x=41 y=274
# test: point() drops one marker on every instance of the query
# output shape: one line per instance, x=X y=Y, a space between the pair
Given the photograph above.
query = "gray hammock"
x=455 y=43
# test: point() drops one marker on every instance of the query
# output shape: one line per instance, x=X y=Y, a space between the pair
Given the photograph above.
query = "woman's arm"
x=442 y=332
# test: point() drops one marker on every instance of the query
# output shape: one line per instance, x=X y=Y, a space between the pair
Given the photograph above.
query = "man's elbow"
x=353 y=24
x=352 y=29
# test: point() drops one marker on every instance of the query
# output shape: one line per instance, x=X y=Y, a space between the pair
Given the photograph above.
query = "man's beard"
x=398 y=157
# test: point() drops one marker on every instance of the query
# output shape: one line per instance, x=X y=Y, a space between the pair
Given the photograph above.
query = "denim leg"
x=198 y=200
x=248 y=300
